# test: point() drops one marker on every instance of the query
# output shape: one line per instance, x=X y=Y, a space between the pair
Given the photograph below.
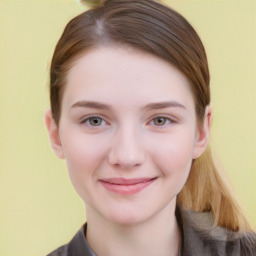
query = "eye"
x=160 y=121
x=94 y=121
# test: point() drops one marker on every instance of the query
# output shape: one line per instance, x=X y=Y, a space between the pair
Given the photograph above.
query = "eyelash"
x=88 y=121
x=166 y=121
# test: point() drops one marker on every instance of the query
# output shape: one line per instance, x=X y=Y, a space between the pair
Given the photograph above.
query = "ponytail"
x=207 y=190
x=92 y=3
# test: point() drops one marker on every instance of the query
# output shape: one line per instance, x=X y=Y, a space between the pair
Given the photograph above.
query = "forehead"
x=117 y=73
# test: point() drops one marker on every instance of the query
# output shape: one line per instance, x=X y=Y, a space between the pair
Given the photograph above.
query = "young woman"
x=130 y=114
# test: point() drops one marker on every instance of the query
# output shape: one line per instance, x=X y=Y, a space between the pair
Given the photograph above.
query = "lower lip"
x=125 y=189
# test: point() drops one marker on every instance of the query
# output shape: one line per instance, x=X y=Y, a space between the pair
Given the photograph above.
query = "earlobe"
x=203 y=134
x=53 y=131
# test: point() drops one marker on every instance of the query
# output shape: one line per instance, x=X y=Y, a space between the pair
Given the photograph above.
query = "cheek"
x=83 y=149
x=174 y=155
x=174 y=161
x=84 y=155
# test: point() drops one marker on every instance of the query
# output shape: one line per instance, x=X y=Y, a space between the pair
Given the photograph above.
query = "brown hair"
x=154 y=28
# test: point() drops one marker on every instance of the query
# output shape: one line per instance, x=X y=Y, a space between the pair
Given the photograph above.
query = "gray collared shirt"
x=199 y=238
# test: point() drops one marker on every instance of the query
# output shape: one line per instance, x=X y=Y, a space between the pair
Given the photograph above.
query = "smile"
x=126 y=186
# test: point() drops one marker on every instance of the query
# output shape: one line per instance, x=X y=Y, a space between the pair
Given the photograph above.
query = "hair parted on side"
x=154 y=28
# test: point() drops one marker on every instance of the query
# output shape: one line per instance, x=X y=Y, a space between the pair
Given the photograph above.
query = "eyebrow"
x=165 y=104
x=91 y=104
x=151 y=106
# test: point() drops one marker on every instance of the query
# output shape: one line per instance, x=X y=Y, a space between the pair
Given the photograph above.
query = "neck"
x=159 y=235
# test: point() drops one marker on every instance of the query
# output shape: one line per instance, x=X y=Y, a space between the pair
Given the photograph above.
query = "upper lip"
x=124 y=181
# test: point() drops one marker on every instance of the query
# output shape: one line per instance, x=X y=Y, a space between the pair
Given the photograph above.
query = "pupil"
x=95 y=121
x=160 y=121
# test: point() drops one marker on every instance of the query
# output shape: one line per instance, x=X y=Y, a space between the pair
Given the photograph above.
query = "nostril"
x=126 y=151
x=124 y=161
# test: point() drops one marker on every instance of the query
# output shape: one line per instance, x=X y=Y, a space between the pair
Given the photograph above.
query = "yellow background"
x=39 y=209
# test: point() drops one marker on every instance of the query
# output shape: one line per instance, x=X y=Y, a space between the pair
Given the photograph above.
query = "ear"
x=203 y=134
x=53 y=131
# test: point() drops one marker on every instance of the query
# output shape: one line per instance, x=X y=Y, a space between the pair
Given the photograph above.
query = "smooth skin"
x=131 y=115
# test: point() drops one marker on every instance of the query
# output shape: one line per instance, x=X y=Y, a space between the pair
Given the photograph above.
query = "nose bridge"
x=127 y=148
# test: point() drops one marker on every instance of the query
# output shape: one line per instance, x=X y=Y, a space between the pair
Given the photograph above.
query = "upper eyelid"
x=85 y=119
x=167 y=116
x=168 y=120
x=107 y=120
x=92 y=115
x=85 y=123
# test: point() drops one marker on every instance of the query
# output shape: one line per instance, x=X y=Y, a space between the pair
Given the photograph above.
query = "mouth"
x=126 y=186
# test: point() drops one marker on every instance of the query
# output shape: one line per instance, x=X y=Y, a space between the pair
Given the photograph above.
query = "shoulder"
x=61 y=251
x=78 y=246
x=202 y=239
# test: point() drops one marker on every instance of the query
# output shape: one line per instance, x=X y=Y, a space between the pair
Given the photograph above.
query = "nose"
x=126 y=150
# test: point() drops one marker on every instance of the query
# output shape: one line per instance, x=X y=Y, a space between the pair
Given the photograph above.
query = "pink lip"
x=126 y=186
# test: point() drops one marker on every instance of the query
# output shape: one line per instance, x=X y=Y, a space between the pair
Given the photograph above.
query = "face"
x=128 y=132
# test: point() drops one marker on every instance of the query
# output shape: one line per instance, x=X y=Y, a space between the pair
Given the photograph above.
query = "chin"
x=123 y=221
x=127 y=218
